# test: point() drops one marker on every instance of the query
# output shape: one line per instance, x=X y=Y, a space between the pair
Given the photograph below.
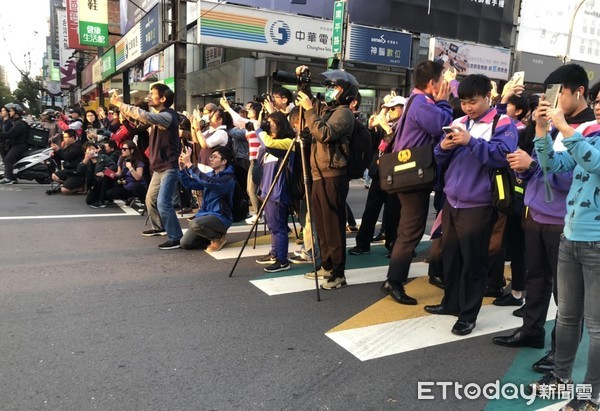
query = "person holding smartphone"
x=579 y=250
x=130 y=174
x=545 y=199
x=470 y=154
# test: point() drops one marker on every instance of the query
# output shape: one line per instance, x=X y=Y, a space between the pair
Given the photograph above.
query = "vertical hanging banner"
x=68 y=65
x=93 y=22
x=337 y=38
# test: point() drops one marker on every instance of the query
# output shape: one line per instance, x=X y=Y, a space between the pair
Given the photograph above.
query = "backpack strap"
x=402 y=120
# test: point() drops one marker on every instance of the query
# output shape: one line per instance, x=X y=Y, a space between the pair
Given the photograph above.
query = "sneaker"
x=152 y=233
x=351 y=228
x=277 y=266
x=303 y=258
x=98 y=205
x=216 y=245
x=333 y=283
x=251 y=220
x=170 y=245
x=301 y=251
x=379 y=238
x=6 y=181
x=549 y=384
x=266 y=259
x=358 y=251
x=580 y=405
x=321 y=274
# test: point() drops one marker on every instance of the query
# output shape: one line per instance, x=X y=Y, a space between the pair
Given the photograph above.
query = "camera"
x=265 y=126
x=287 y=77
x=265 y=96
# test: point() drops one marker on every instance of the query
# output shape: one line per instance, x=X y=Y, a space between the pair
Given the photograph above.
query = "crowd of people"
x=550 y=232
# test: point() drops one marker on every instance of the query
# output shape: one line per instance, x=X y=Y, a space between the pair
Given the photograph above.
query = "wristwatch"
x=533 y=165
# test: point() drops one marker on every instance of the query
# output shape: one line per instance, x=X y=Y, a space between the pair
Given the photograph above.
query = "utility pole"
x=178 y=36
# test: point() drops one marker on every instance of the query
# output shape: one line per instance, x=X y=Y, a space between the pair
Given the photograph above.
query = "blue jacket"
x=467 y=180
x=217 y=191
x=423 y=123
x=582 y=157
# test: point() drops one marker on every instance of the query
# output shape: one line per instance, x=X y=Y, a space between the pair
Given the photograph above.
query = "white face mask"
x=205 y=118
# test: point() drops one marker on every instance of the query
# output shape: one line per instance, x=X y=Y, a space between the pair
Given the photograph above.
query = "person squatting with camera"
x=209 y=227
x=130 y=182
x=98 y=169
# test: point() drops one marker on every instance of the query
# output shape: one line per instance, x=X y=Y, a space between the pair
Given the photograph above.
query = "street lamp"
x=566 y=58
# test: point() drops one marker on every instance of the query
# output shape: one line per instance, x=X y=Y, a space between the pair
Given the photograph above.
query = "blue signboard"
x=149 y=33
x=377 y=46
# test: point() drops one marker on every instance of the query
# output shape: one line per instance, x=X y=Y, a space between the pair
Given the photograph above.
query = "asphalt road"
x=95 y=316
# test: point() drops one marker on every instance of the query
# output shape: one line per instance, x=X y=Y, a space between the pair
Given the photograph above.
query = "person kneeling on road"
x=211 y=222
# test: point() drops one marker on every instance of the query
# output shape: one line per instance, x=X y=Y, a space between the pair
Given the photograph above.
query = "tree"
x=28 y=92
x=5 y=95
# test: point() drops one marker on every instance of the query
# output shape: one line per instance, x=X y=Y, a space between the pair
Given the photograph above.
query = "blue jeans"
x=160 y=205
x=578 y=290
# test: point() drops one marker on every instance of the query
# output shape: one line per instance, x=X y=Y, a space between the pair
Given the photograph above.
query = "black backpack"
x=361 y=150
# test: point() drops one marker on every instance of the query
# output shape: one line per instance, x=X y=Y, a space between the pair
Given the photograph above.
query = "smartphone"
x=448 y=129
x=553 y=93
x=518 y=78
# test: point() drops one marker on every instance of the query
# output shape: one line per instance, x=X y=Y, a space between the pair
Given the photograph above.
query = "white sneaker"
x=251 y=220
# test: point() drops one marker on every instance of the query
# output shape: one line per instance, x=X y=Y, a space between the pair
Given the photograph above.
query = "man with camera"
x=281 y=99
x=331 y=125
x=164 y=148
x=210 y=224
x=70 y=153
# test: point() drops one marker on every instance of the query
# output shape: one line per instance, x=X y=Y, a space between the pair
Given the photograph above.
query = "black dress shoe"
x=545 y=364
x=437 y=281
x=399 y=295
x=520 y=339
x=508 y=300
x=463 y=327
x=386 y=287
x=439 y=309
x=493 y=292
x=519 y=312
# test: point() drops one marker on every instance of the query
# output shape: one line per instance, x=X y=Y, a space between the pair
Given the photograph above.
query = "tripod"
x=305 y=173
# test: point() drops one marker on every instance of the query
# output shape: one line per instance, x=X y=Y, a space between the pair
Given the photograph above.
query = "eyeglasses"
x=594 y=103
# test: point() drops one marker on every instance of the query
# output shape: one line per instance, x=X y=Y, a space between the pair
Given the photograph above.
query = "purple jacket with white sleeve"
x=467 y=181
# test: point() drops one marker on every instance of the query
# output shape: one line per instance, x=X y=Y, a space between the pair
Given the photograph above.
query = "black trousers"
x=328 y=204
x=465 y=244
x=541 y=248
x=413 y=218
x=514 y=241
x=377 y=198
x=496 y=251
x=9 y=158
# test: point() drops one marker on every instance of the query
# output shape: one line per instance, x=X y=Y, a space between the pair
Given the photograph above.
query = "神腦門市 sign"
x=93 y=22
